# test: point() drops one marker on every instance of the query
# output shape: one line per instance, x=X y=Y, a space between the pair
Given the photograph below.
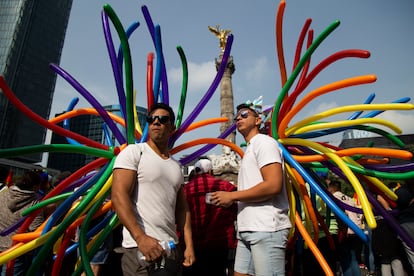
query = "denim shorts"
x=101 y=256
x=261 y=253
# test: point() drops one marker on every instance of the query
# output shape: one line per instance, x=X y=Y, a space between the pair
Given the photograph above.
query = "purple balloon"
x=187 y=159
x=392 y=222
x=88 y=96
x=208 y=94
x=392 y=168
x=156 y=39
x=114 y=62
x=13 y=227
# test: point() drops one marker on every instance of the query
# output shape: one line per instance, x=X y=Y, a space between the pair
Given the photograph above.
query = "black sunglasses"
x=244 y=114
x=162 y=119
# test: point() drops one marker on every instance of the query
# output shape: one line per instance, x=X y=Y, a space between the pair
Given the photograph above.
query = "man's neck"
x=251 y=134
x=159 y=148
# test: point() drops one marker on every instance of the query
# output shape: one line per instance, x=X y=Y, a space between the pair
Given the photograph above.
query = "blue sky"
x=382 y=27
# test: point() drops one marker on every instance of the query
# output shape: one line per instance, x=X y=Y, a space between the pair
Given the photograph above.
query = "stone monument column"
x=226 y=99
x=226 y=165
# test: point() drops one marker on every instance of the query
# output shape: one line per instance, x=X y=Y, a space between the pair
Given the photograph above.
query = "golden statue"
x=221 y=34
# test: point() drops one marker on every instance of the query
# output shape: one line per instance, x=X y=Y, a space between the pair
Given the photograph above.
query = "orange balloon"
x=394 y=153
x=312 y=246
x=201 y=141
x=320 y=91
x=279 y=41
x=89 y=111
x=206 y=122
x=308 y=204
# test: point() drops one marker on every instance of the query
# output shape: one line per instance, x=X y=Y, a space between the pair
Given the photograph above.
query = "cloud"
x=404 y=120
x=324 y=106
x=200 y=75
x=258 y=70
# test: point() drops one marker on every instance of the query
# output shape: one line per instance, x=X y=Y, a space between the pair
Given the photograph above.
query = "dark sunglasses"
x=162 y=119
x=244 y=114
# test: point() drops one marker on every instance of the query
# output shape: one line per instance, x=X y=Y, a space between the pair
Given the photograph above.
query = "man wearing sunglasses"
x=148 y=198
x=262 y=220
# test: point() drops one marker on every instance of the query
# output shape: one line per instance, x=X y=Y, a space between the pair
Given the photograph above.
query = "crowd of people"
x=210 y=226
x=382 y=254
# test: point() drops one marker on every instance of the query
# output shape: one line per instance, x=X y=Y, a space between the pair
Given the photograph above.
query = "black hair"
x=243 y=105
x=248 y=106
x=165 y=107
x=335 y=184
x=4 y=173
x=28 y=180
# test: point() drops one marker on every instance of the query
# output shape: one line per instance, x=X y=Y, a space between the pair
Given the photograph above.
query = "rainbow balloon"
x=303 y=156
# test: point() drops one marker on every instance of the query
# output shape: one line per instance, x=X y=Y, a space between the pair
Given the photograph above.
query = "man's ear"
x=258 y=121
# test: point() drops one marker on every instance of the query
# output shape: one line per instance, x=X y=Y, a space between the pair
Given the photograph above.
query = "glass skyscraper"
x=32 y=34
x=90 y=126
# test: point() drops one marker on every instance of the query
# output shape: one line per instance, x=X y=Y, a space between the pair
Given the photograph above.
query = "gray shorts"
x=169 y=266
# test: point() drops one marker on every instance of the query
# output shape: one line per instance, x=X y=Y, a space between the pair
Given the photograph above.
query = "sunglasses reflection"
x=162 y=119
x=243 y=114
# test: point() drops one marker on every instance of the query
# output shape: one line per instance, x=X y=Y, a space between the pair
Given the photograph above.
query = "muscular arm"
x=183 y=218
x=271 y=185
x=122 y=187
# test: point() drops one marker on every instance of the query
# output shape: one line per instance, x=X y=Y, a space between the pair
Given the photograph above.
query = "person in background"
x=4 y=172
x=213 y=229
x=13 y=201
x=386 y=245
x=405 y=204
x=147 y=195
x=350 y=245
x=45 y=182
x=262 y=220
x=59 y=178
x=102 y=256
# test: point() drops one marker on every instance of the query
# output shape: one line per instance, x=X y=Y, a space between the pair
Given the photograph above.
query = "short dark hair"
x=335 y=184
x=28 y=180
x=165 y=107
x=257 y=109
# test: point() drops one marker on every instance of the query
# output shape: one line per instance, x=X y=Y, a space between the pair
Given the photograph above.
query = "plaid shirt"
x=212 y=226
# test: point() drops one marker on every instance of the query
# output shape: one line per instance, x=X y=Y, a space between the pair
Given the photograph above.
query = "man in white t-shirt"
x=148 y=197
x=262 y=221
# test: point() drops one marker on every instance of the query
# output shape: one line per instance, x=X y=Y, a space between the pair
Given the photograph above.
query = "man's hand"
x=189 y=257
x=149 y=247
x=222 y=199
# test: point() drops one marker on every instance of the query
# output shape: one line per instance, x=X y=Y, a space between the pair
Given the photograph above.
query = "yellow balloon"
x=292 y=200
x=302 y=196
x=351 y=108
x=24 y=248
x=320 y=91
x=136 y=122
x=346 y=123
x=365 y=205
x=378 y=183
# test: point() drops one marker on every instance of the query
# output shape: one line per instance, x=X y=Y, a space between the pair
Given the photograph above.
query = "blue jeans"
x=350 y=253
x=261 y=253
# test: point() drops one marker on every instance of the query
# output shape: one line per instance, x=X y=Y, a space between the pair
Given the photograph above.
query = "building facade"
x=31 y=37
x=90 y=126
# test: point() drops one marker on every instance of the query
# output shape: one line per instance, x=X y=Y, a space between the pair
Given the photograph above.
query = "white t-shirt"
x=155 y=195
x=265 y=216
x=355 y=217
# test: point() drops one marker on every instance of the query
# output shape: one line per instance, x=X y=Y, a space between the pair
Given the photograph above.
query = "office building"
x=31 y=37
x=90 y=126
